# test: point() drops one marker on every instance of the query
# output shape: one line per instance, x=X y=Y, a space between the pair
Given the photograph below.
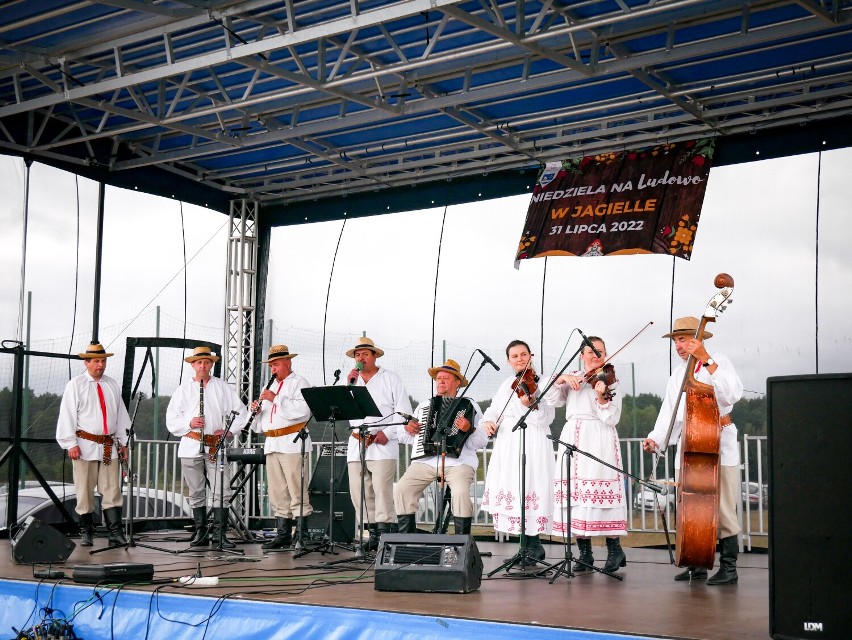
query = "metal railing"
x=158 y=469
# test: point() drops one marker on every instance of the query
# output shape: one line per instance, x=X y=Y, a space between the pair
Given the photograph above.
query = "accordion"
x=437 y=420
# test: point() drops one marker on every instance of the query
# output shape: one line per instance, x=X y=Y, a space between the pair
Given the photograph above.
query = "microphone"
x=353 y=375
x=336 y=375
x=589 y=344
x=407 y=416
x=488 y=360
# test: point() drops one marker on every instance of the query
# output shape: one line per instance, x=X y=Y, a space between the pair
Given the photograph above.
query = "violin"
x=525 y=383
x=605 y=374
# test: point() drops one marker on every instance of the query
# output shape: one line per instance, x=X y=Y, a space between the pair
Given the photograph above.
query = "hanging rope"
x=816 y=267
x=76 y=274
x=327 y=296
x=435 y=291
x=541 y=326
x=671 y=313
x=24 y=251
x=185 y=295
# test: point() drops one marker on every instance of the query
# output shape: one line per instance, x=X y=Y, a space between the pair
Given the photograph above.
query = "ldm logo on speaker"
x=813 y=626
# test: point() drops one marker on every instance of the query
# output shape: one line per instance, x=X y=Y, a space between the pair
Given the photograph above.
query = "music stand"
x=331 y=404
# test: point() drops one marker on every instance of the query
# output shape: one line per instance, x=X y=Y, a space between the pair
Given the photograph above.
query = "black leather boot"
x=373 y=541
x=691 y=573
x=586 y=557
x=615 y=558
x=283 y=536
x=407 y=523
x=115 y=527
x=301 y=530
x=533 y=549
x=390 y=527
x=220 y=528
x=462 y=525
x=199 y=518
x=727 y=573
x=87 y=530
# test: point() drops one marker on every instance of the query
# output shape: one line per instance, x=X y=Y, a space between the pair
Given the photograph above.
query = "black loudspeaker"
x=810 y=477
x=321 y=476
x=344 y=517
x=39 y=543
x=428 y=562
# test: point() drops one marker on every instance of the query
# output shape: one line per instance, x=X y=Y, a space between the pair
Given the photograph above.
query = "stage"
x=342 y=602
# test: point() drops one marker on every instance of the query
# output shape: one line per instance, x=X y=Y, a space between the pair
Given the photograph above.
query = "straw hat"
x=277 y=352
x=686 y=326
x=450 y=366
x=95 y=350
x=201 y=353
x=365 y=343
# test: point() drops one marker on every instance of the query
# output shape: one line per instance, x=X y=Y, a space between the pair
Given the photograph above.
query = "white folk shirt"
x=476 y=440
x=81 y=409
x=729 y=389
x=220 y=400
x=389 y=394
x=288 y=408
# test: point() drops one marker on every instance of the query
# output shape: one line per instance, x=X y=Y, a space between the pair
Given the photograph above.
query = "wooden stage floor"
x=647 y=602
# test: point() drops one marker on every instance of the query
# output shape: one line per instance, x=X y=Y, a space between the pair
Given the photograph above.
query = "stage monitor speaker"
x=428 y=562
x=810 y=477
x=344 y=517
x=39 y=543
x=321 y=477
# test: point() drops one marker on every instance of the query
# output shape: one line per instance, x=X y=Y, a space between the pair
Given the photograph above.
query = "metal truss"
x=241 y=298
x=282 y=102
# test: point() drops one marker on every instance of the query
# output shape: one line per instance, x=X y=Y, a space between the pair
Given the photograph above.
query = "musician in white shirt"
x=382 y=453
x=185 y=419
x=92 y=427
x=459 y=472
x=282 y=419
x=719 y=372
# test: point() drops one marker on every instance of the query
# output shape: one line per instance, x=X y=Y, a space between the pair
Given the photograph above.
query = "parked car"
x=755 y=495
x=34 y=501
x=644 y=499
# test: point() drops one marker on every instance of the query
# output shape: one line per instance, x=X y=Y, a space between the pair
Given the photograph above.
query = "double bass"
x=698 y=490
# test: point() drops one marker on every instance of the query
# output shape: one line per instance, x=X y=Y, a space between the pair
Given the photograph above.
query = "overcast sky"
x=759 y=224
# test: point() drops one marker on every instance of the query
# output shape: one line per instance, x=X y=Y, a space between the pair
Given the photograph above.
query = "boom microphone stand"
x=337 y=403
x=520 y=557
x=131 y=477
x=302 y=435
x=442 y=431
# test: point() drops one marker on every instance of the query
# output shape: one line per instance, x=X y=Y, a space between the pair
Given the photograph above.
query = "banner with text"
x=642 y=201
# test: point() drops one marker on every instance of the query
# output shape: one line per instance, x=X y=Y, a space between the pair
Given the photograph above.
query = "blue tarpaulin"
x=107 y=612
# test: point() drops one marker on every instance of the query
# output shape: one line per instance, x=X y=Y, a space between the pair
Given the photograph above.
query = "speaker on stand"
x=320 y=489
x=810 y=477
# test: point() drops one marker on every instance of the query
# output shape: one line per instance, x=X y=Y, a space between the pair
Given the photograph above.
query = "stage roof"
x=320 y=108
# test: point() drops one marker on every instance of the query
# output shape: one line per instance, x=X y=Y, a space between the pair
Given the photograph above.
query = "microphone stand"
x=302 y=435
x=221 y=454
x=328 y=545
x=564 y=566
x=520 y=557
x=443 y=429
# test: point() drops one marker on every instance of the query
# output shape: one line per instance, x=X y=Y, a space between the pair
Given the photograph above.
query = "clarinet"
x=257 y=408
x=201 y=415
